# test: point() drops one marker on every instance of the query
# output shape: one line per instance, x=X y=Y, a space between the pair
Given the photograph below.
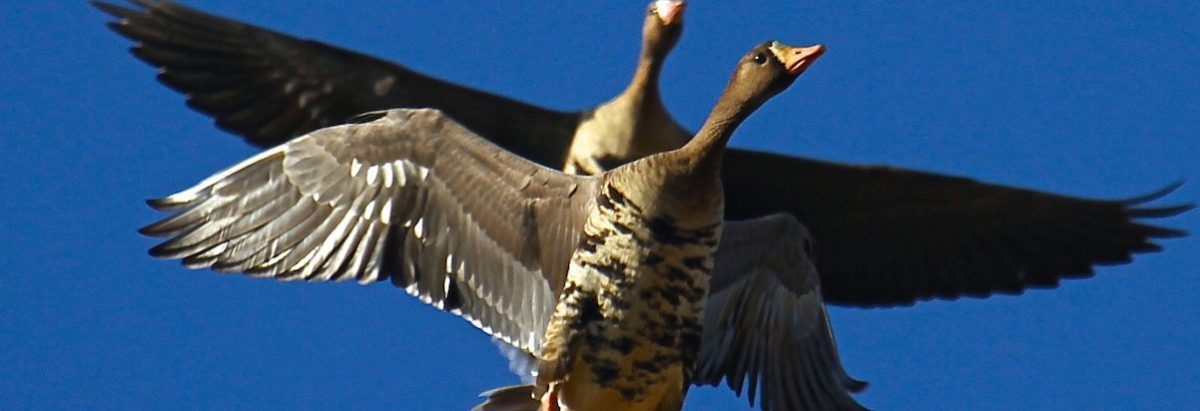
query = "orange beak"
x=796 y=59
x=669 y=11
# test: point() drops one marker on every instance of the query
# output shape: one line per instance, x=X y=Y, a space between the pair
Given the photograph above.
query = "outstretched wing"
x=412 y=197
x=765 y=323
x=888 y=236
x=269 y=87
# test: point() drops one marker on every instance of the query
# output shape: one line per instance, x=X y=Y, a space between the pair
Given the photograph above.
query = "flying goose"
x=601 y=278
x=270 y=87
x=884 y=236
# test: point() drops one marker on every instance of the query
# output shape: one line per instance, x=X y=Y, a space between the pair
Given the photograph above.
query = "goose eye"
x=760 y=58
x=651 y=10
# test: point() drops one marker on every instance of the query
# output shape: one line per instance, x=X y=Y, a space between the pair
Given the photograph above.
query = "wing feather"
x=765 y=326
x=411 y=197
x=270 y=87
x=887 y=236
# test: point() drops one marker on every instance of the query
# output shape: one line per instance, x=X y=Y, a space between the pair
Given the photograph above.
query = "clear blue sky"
x=1097 y=101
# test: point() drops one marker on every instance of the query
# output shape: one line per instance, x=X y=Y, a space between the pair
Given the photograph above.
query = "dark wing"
x=765 y=323
x=412 y=197
x=888 y=236
x=269 y=87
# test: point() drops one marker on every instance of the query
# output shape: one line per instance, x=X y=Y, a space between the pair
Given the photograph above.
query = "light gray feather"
x=412 y=197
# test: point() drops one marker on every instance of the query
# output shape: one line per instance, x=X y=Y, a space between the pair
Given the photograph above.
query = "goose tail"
x=514 y=398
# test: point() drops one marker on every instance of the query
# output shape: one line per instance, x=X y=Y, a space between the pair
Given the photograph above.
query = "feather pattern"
x=766 y=332
x=384 y=200
x=489 y=243
x=885 y=236
x=270 y=87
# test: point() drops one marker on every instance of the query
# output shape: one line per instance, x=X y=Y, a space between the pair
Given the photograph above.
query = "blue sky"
x=1073 y=97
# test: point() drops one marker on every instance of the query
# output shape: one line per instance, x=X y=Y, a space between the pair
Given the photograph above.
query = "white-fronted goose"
x=930 y=236
x=270 y=87
x=602 y=278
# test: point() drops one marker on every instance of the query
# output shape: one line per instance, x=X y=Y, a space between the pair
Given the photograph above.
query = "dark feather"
x=888 y=236
x=270 y=87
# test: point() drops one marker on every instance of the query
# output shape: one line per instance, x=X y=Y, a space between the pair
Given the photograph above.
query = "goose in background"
x=884 y=236
x=270 y=87
x=627 y=287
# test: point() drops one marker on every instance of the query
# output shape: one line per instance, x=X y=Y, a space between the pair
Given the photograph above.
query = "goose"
x=305 y=85
x=627 y=287
x=884 y=236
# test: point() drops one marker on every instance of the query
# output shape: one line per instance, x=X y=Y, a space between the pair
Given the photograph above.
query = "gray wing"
x=269 y=87
x=765 y=323
x=412 y=197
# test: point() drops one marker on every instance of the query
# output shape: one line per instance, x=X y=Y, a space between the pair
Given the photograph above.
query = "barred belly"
x=628 y=323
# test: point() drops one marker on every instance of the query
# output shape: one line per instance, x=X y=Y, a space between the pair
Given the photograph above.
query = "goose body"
x=929 y=236
x=594 y=149
x=629 y=322
x=603 y=279
x=629 y=319
x=634 y=124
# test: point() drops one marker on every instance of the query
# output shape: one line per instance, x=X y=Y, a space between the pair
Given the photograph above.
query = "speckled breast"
x=636 y=287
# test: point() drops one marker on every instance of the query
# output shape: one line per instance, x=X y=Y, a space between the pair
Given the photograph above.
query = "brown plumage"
x=931 y=236
x=584 y=273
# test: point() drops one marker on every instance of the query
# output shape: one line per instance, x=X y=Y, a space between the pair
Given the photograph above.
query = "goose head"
x=763 y=72
x=662 y=28
x=766 y=70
